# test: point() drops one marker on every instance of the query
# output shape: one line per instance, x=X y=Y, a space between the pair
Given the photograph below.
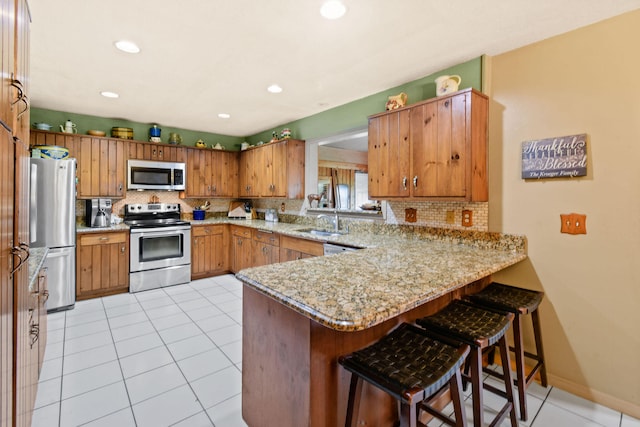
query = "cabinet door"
x=265 y=254
x=277 y=170
x=7 y=261
x=452 y=153
x=389 y=153
x=224 y=174
x=242 y=253
x=101 y=168
x=199 y=169
x=209 y=253
x=247 y=173
x=438 y=135
x=7 y=92
x=102 y=264
x=43 y=295
x=424 y=148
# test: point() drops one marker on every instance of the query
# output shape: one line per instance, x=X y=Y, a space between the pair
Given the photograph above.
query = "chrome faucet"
x=332 y=219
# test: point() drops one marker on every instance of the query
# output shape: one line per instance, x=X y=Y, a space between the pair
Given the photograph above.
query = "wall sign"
x=559 y=157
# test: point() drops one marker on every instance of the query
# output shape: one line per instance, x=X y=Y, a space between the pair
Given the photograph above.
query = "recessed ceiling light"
x=127 y=46
x=274 y=88
x=332 y=9
x=108 y=94
x=224 y=115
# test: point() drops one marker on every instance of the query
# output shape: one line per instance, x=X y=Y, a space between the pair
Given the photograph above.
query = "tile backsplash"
x=430 y=214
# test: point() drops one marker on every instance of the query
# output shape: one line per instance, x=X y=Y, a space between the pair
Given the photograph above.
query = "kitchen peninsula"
x=299 y=317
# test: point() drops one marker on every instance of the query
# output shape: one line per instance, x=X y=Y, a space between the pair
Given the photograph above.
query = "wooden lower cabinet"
x=209 y=250
x=266 y=248
x=102 y=261
x=292 y=249
x=241 y=250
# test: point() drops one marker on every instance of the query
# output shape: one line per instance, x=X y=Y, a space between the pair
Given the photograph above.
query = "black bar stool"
x=413 y=368
x=519 y=302
x=481 y=329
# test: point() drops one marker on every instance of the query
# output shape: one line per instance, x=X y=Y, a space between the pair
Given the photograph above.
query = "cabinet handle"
x=17 y=84
x=104 y=239
x=446 y=103
x=214 y=188
x=159 y=152
x=120 y=187
x=25 y=100
x=264 y=249
x=404 y=183
x=45 y=295
x=455 y=157
x=239 y=242
x=123 y=249
x=154 y=152
x=415 y=181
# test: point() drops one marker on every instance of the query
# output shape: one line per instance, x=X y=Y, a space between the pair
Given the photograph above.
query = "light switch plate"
x=573 y=223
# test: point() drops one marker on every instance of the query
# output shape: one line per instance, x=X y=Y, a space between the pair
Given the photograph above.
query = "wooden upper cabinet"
x=273 y=170
x=211 y=173
x=156 y=152
x=101 y=168
x=434 y=149
x=101 y=162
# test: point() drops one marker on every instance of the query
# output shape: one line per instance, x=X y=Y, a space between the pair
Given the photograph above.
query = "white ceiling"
x=204 y=57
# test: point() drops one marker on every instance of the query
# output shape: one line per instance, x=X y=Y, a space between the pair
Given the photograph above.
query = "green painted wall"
x=326 y=123
x=354 y=114
x=140 y=130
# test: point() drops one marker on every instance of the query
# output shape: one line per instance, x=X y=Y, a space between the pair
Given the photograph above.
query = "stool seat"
x=508 y=298
x=468 y=323
x=482 y=329
x=520 y=302
x=410 y=366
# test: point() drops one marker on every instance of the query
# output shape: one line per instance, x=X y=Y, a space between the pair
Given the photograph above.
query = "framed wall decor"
x=557 y=157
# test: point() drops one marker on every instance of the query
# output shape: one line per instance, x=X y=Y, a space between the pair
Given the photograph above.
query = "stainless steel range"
x=160 y=248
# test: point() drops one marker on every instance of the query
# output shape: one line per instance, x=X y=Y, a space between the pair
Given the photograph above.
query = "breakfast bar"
x=300 y=316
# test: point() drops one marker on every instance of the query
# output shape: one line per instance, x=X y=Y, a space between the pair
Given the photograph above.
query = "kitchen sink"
x=319 y=232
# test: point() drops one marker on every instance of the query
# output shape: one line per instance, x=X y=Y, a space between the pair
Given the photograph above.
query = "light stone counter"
x=399 y=270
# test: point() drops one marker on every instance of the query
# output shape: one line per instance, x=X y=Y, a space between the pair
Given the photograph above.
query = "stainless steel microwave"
x=148 y=175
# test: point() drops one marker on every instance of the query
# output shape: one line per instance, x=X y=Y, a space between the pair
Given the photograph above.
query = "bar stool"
x=413 y=368
x=481 y=329
x=519 y=302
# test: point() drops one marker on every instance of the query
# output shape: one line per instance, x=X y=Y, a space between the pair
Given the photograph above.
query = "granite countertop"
x=398 y=271
x=36 y=260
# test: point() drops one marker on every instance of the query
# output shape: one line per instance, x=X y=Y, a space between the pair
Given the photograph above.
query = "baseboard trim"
x=594 y=395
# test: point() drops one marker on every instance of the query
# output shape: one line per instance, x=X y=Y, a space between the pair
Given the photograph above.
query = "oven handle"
x=159 y=231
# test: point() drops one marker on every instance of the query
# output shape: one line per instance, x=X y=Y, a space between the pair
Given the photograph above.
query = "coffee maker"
x=98 y=213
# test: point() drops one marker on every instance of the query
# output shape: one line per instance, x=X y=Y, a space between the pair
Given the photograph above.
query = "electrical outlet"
x=467 y=218
x=282 y=207
x=410 y=215
x=451 y=217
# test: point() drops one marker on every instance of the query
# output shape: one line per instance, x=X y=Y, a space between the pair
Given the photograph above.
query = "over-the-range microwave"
x=148 y=175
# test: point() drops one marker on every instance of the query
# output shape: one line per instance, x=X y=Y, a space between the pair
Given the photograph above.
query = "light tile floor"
x=173 y=357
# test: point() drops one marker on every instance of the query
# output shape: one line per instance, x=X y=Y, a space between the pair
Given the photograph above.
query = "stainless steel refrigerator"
x=52 y=220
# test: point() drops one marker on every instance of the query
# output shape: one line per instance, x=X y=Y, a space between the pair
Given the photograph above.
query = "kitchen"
x=518 y=87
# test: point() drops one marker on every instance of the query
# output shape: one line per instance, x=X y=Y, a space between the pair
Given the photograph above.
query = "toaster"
x=271 y=215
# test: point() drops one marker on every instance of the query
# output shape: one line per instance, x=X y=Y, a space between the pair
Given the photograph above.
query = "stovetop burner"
x=153 y=215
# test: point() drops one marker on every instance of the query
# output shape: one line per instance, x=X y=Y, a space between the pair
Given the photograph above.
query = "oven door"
x=154 y=248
